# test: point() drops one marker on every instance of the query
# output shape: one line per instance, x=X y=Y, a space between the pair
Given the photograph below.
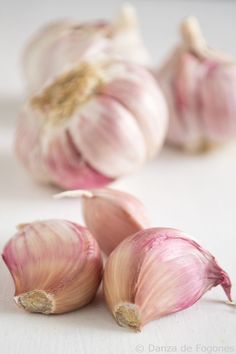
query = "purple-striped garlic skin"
x=156 y=272
x=200 y=88
x=64 y=166
x=111 y=215
x=92 y=125
x=65 y=43
x=56 y=266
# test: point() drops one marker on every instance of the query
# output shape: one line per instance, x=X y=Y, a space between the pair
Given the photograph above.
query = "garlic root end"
x=127 y=315
x=36 y=301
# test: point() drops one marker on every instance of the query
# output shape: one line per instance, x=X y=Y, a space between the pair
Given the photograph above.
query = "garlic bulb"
x=110 y=215
x=56 y=266
x=93 y=124
x=156 y=272
x=200 y=87
x=61 y=44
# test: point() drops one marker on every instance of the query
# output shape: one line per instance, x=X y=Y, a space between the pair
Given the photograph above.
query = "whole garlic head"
x=199 y=84
x=56 y=266
x=61 y=44
x=93 y=124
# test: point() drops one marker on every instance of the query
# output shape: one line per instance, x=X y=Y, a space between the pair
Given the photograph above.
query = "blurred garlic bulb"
x=93 y=124
x=110 y=215
x=200 y=87
x=56 y=266
x=156 y=272
x=64 y=43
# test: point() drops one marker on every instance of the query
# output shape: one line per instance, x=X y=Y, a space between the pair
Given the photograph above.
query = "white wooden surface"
x=195 y=194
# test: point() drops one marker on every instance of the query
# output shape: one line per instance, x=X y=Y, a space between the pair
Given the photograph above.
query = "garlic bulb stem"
x=195 y=42
x=126 y=18
x=192 y=35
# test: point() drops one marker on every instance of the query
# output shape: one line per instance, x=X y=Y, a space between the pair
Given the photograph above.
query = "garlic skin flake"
x=92 y=125
x=156 y=272
x=64 y=43
x=111 y=215
x=199 y=84
x=56 y=266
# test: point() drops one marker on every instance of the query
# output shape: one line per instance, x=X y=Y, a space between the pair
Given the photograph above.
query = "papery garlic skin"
x=94 y=124
x=200 y=88
x=111 y=215
x=156 y=272
x=56 y=266
x=64 y=43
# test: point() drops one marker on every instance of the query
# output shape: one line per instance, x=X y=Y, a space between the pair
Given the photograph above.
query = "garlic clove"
x=56 y=266
x=120 y=146
x=66 y=165
x=156 y=272
x=110 y=215
x=192 y=79
x=138 y=92
x=219 y=118
x=28 y=144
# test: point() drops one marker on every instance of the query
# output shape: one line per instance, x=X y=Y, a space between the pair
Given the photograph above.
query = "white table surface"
x=196 y=194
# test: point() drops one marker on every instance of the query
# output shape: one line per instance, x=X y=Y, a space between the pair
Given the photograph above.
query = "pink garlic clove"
x=219 y=114
x=62 y=44
x=56 y=266
x=110 y=215
x=86 y=133
x=156 y=272
x=119 y=147
x=67 y=167
x=53 y=158
x=199 y=84
x=137 y=90
x=28 y=144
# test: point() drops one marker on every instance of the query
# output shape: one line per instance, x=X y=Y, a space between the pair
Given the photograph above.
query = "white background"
x=196 y=194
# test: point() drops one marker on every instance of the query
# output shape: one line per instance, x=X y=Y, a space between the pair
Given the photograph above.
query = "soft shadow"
x=7 y=290
x=9 y=110
x=16 y=184
x=212 y=301
x=94 y=315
